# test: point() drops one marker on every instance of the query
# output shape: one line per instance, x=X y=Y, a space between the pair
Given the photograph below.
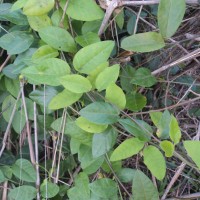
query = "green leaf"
x=174 y=130
x=94 y=74
x=89 y=126
x=143 y=42
x=135 y=101
x=12 y=86
x=48 y=189
x=167 y=147
x=88 y=163
x=18 y=4
x=193 y=150
x=38 y=7
x=57 y=19
x=2 y=177
x=91 y=56
x=127 y=149
x=58 y=38
x=73 y=130
x=24 y=170
x=138 y=128
x=91 y=26
x=7 y=171
x=100 y=113
x=39 y=94
x=126 y=175
x=143 y=188
x=87 y=39
x=84 y=10
x=37 y=22
x=162 y=122
x=143 y=77
x=22 y=192
x=116 y=96
x=16 y=42
x=103 y=142
x=76 y=83
x=107 y=76
x=44 y=52
x=64 y=99
x=155 y=162
x=119 y=18
x=104 y=188
x=170 y=16
x=48 y=71
x=81 y=190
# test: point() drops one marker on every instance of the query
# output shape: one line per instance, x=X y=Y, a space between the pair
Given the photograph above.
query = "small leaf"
x=106 y=77
x=143 y=42
x=193 y=150
x=155 y=162
x=16 y=42
x=22 y=192
x=143 y=77
x=64 y=99
x=170 y=16
x=135 y=101
x=24 y=170
x=103 y=142
x=89 y=126
x=58 y=38
x=84 y=10
x=104 y=188
x=167 y=147
x=156 y=117
x=48 y=71
x=91 y=56
x=37 y=22
x=48 y=189
x=38 y=7
x=18 y=4
x=138 y=128
x=100 y=113
x=127 y=149
x=76 y=83
x=143 y=188
x=2 y=177
x=116 y=96
x=174 y=130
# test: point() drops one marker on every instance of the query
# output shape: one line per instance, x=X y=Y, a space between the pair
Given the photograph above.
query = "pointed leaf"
x=58 y=38
x=116 y=96
x=91 y=56
x=48 y=71
x=106 y=77
x=143 y=77
x=155 y=162
x=127 y=149
x=174 y=130
x=143 y=188
x=64 y=99
x=143 y=42
x=38 y=7
x=193 y=150
x=48 y=189
x=100 y=113
x=76 y=83
x=170 y=16
x=89 y=126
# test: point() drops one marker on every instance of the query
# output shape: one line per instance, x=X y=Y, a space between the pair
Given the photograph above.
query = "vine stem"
x=9 y=123
x=113 y=4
